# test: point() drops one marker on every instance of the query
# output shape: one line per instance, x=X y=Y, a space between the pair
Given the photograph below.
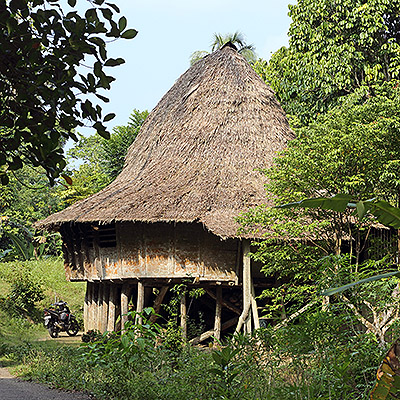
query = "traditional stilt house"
x=170 y=215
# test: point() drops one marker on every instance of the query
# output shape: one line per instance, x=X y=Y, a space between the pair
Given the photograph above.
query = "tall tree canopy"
x=100 y=160
x=339 y=82
x=43 y=83
x=334 y=48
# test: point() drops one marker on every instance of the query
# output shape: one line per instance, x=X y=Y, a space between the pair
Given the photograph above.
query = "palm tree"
x=237 y=38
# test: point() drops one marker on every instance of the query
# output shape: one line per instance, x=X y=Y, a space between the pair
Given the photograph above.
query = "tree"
x=334 y=48
x=44 y=86
x=114 y=150
x=237 y=38
x=27 y=198
x=354 y=149
x=101 y=160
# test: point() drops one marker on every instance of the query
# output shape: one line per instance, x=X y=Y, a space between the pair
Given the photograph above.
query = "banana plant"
x=385 y=213
x=387 y=385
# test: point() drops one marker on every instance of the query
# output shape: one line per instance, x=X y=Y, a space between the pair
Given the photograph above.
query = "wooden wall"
x=139 y=250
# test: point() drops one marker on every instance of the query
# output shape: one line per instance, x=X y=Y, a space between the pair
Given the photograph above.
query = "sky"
x=169 y=32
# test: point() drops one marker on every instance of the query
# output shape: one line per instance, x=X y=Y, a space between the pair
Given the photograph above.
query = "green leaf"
x=101 y=97
x=72 y=3
x=129 y=34
x=19 y=244
x=361 y=209
x=109 y=117
x=97 y=69
x=122 y=23
x=216 y=371
x=338 y=203
x=332 y=291
x=107 y=13
x=388 y=380
x=386 y=213
x=112 y=62
x=4 y=179
x=114 y=7
x=91 y=14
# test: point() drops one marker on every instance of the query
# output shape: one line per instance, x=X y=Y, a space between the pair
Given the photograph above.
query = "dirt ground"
x=12 y=388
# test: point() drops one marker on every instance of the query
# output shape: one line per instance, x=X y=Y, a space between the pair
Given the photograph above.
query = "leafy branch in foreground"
x=50 y=61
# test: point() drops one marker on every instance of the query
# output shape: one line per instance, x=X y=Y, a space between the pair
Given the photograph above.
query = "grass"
x=50 y=274
x=19 y=333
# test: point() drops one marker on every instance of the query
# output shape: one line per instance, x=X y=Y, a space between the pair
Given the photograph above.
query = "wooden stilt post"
x=254 y=309
x=93 y=306
x=225 y=303
x=158 y=301
x=104 y=316
x=100 y=307
x=86 y=307
x=183 y=316
x=111 y=308
x=245 y=317
x=118 y=322
x=124 y=305
x=140 y=301
x=218 y=312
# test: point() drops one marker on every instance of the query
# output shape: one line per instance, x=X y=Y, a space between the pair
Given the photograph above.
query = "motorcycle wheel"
x=53 y=331
x=73 y=328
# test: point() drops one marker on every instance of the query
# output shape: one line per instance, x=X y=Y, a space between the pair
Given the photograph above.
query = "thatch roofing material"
x=196 y=155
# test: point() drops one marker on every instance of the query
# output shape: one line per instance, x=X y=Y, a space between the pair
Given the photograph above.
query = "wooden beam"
x=118 y=325
x=225 y=303
x=124 y=305
x=93 y=306
x=238 y=250
x=218 y=312
x=86 y=307
x=157 y=303
x=140 y=302
x=104 y=316
x=183 y=316
x=99 y=308
x=208 y=334
x=111 y=308
x=202 y=337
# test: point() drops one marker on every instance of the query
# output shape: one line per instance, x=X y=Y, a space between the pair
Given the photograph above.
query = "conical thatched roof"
x=196 y=155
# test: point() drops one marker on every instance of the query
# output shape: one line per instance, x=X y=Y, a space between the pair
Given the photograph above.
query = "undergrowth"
x=323 y=356
x=317 y=358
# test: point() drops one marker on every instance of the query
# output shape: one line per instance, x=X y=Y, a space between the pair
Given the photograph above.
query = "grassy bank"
x=49 y=273
x=20 y=320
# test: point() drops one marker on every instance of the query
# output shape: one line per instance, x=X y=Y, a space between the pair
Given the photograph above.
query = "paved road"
x=14 y=389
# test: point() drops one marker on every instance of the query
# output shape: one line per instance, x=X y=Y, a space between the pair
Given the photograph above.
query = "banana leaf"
x=331 y=291
x=25 y=249
x=385 y=213
x=338 y=203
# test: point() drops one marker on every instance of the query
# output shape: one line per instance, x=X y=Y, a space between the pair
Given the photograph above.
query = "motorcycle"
x=59 y=318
